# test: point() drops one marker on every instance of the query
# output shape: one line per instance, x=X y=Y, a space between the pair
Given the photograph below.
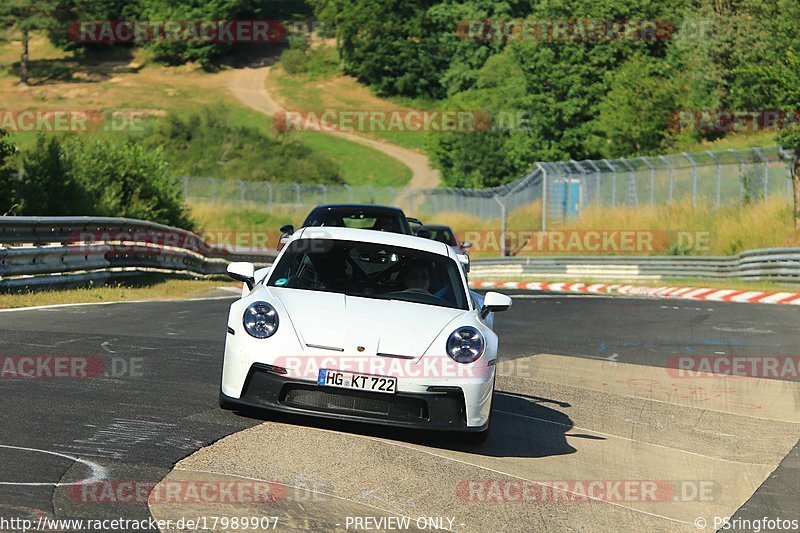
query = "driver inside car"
x=417 y=277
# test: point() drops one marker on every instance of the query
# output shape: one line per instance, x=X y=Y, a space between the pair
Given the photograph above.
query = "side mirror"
x=466 y=244
x=424 y=233
x=288 y=229
x=494 y=302
x=242 y=271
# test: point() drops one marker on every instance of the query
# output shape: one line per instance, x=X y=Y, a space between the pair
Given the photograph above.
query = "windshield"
x=370 y=271
x=361 y=219
x=443 y=235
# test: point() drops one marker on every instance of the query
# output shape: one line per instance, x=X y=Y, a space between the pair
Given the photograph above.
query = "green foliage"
x=7 y=172
x=206 y=143
x=125 y=178
x=45 y=186
x=317 y=62
x=95 y=175
x=634 y=115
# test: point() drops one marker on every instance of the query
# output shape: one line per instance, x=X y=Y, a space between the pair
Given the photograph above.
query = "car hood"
x=340 y=323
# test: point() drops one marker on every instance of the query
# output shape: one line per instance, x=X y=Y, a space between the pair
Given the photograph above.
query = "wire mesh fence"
x=564 y=189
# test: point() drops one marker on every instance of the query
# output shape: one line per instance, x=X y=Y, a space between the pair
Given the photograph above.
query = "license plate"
x=349 y=380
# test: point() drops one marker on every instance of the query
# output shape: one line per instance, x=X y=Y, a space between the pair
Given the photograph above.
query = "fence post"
x=297 y=193
x=652 y=179
x=185 y=188
x=613 y=183
x=670 y=177
x=544 y=197
x=694 y=178
x=741 y=174
x=633 y=196
x=719 y=175
x=241 y=185
x=766 y=171
x=502 y=225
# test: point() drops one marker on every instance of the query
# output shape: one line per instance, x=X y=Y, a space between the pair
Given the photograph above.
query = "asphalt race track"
x=588 y=392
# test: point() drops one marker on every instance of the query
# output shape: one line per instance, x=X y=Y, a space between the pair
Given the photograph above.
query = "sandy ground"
x=705 y=443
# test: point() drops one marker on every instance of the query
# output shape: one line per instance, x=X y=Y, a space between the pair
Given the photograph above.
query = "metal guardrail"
x=50 y=251
x=771 y=264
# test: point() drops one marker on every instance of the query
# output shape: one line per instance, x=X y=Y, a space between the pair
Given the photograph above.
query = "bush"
x=46 y=187
x=316 y=62
x=126 y=179
x=93 y=176
x=207 y=143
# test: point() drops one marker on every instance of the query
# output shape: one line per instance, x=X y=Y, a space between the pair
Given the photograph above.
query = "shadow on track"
x=522 y=426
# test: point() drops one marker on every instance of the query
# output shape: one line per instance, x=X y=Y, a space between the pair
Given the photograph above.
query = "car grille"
x=348 y=402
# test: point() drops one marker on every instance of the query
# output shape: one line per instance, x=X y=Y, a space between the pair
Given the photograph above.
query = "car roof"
x=365 y=207
x=438 y=226
x=372 y=236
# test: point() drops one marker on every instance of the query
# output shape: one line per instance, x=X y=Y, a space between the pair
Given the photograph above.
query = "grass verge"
x=147 y=287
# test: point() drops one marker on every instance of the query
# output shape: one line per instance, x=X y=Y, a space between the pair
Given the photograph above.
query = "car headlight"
x=465 y=345
x=260 y=320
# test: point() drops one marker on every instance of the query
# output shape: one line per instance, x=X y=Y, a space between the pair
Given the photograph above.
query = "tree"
x=634 y=114
x=7 y=171
x=26 y=16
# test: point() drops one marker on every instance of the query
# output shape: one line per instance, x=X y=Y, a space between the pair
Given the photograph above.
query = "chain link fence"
x=564 y=189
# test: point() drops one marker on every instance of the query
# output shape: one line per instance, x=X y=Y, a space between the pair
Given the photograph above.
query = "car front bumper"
x=442 y=408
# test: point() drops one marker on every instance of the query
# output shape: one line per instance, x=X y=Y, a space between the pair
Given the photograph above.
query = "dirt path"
x=247 y=85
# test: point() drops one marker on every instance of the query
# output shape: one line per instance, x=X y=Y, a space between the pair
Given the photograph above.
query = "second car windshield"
x=371 y=271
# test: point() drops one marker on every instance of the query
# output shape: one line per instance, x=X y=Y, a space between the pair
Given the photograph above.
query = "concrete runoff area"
x=576 y=445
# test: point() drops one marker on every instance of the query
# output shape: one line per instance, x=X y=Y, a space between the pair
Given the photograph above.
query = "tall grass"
x=730 y=230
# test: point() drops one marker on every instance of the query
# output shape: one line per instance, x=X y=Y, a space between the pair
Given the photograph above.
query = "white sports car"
x=363 y=325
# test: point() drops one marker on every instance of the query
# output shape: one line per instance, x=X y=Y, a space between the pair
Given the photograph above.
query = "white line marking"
x=57 y=306
x=98 y=472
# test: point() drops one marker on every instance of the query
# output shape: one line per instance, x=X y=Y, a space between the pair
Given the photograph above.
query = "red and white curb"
x=683 y=293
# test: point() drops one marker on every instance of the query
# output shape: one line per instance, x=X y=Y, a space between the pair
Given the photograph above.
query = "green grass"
x=145 y=287
x=304 y=92
x=358 y=164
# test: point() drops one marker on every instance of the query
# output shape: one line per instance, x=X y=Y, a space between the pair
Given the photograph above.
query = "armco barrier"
x=772 y=264
x=48 y=251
